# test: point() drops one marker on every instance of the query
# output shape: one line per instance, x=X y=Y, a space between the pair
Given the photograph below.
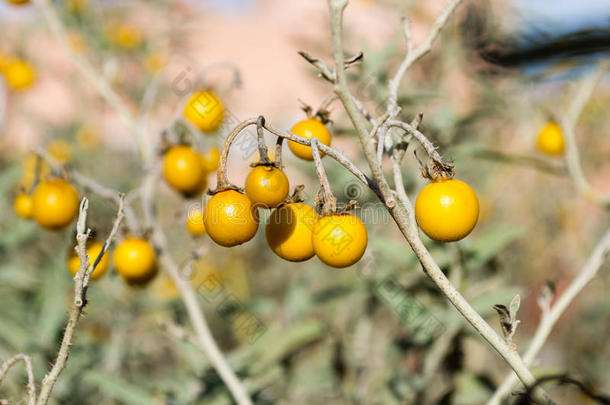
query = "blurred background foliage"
x=376 y=333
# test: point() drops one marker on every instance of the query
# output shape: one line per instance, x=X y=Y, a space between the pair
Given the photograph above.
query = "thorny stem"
x=27 y=360
x=80 y=298
x=404 y=216
x=550 y=317
x=329 y=205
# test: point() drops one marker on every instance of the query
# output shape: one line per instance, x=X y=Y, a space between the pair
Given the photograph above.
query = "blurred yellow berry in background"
x=210 y=160
x=154 y=62
x=18 y=2
x=205 y=111
x=194 y=222
x=182 y=169
x=165 y=289
x=60 y=150
x=125 y=36
x=88 y=137
x=94 y=248
x=18 y=74
x=76 y=41
x=550 y=139
x=77 y=6
x=23 y=206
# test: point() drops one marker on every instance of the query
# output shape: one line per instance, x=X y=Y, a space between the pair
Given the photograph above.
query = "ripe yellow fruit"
x=339 y=240
x=135 y=261
x=205 y=111
x=94 y=248
x=447 y=210
x=289 y=231
x=230 y=219
x=182 y=169
x=60 y=150
x=194 y=222
x=550 y=139
x=55 y=203
x=18 y=74
x=309 y=128
x=23 y=206
x=210 y=160
x=18 y=2
x=267 y=186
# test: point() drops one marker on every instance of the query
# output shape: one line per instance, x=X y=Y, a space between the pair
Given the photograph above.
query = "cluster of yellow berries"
x=53 y=203
x=294 y=232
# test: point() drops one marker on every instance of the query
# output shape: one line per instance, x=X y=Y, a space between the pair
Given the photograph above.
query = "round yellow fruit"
x=339 y=240
x=447 y=210
x=230 y=218
x=309 y=128
x=550 y=140
x=18 y=2
x=210 y=160
x=94 y=248
x=23 y=206
x=55 y=203
x=194 y=222
x=205 y=111
x=182 y=169
x=18 y=74
x=127 y=37
x=135 y=261
x=267 y=186
x=289 y=231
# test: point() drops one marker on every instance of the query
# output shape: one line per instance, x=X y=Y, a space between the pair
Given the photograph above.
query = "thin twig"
x=27 y=360
x=323 y=70
x=550 y=318
x=415 y=54
x=568 y=124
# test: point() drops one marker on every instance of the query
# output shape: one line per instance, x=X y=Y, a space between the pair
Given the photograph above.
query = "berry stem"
x=222 y=179
x=263 y=154
x=329 y=205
